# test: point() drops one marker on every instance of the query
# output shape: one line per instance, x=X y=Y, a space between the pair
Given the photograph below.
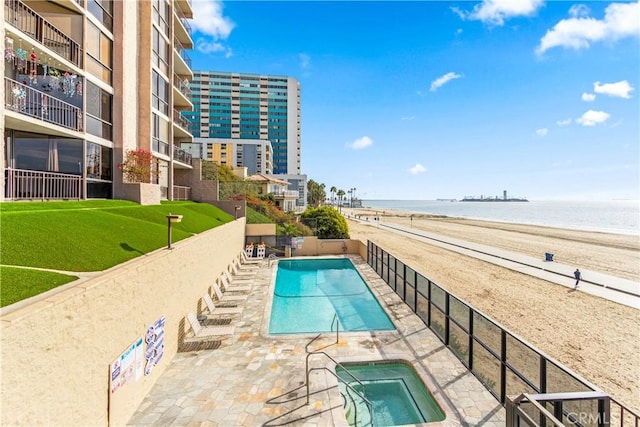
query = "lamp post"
x=171 y=219
x=237 y=209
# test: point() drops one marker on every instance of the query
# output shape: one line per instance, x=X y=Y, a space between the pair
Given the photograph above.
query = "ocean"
x=612 y=216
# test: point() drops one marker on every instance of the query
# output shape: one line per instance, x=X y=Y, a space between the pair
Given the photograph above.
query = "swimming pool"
x=308 y=293
x=397 y=395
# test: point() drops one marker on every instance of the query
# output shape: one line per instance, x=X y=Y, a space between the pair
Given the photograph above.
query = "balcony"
x=181 y=129
x=30 y=102
x=25 y=19
x=185 y=7
x=179 y=155
x=35 y=185
x=181 y=59
x=182 y=28
x=181 y=92
x=286 y=194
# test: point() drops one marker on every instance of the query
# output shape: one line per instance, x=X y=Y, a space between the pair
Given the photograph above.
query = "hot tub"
x=396 y=393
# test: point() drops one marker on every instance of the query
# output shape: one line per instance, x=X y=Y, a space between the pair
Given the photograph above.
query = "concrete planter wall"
x=143 y=193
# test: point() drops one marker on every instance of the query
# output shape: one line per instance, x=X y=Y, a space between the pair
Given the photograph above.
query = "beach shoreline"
x=596 y=338
x=406 y=212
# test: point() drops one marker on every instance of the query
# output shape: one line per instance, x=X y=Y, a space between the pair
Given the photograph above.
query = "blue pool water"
x=397 y=395
x=309 y=292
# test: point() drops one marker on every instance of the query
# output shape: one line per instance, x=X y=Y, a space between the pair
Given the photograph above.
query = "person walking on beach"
x=578 y=276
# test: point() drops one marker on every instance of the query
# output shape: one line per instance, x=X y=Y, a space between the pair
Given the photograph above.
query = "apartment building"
x=237 y=106
x=85 y=82
x=236 y=114
x=253 y=154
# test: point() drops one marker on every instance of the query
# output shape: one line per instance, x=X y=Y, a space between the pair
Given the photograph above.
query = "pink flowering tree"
x=139 y=166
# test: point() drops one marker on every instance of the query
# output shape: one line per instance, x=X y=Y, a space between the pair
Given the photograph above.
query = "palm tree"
x=340 y=194
x=333 y=193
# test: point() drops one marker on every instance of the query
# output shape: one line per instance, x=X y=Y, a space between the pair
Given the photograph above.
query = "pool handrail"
x=308 y=370
x=337 y=322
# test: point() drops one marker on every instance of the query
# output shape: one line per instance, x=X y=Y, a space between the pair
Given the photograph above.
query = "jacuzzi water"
x=397 y=395
x=310 y=292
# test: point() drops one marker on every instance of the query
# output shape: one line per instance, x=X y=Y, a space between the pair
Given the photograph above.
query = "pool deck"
x=255 y=379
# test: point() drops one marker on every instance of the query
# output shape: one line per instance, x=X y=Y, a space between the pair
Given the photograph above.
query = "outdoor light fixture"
x=237 y=209
x=171 y=219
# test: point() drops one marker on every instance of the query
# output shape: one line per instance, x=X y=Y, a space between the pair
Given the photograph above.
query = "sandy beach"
x=596 y=338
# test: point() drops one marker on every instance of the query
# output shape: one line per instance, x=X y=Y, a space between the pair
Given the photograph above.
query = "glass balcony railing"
x=181 y=156
x=180 y=120
x=182 y=84
x=34 y=103
x=182 y=51
x=184 y=20
x=25 y=19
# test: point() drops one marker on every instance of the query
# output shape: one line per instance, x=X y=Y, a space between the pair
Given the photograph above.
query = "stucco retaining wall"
x=312 y=246
x=57 y=353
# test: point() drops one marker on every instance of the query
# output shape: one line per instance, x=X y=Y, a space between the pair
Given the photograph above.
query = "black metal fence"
x=503 y=362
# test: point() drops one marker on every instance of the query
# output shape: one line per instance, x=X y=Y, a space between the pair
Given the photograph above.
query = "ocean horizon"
x=611 y=216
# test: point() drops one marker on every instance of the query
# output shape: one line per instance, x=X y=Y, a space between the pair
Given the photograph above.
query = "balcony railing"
x=25 y=19
x=182 y=84
x=184 y=20
x=34 y=103
x=180 y=120
x=286 y=194
x=182 y=156
x=35 y=185
x=182 y=51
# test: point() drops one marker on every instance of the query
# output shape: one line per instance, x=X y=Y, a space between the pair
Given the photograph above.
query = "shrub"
x=326 y=222
x=139 y=166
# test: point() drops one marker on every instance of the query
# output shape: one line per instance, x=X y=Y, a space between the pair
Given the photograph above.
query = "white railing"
x=34 y=103
x=35 y=185
x=286 y=193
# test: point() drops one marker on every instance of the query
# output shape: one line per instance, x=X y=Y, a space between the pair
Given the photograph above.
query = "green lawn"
x=86 y=236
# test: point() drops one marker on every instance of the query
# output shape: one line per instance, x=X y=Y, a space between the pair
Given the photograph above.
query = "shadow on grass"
x=128 y=248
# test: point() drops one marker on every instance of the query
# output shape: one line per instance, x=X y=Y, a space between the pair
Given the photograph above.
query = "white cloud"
x=542 y=131
x=578 y=10
x=361 y=143
x=620 y=20
x=495 y=12
x=418 y=168
x=620 y=89
x=408 y=118
x=209 y=21
x=564 y=122
x=592 y=118
x=588 y=97
x=442 y=80
x=305 y=60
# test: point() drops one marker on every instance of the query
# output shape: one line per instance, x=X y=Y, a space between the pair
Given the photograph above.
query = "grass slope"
x=90 y=235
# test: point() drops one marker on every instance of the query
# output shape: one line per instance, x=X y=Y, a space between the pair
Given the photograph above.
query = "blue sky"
x=438 y=99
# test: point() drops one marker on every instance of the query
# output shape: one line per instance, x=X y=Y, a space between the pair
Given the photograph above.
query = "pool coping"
x=266 y=319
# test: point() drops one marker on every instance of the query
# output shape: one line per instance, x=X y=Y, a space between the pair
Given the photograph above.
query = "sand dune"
x=596 y=338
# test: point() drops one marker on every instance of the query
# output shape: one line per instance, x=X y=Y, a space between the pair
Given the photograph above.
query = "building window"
x=160 y=52
x=47 y=153
x=160 y=93
x=161 y=15
x=98 y=162
x=99 y=48
x=103 y=11
x=160 y=135
x=99 y=112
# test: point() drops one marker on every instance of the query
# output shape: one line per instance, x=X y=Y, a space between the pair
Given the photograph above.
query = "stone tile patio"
x=255 y=379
